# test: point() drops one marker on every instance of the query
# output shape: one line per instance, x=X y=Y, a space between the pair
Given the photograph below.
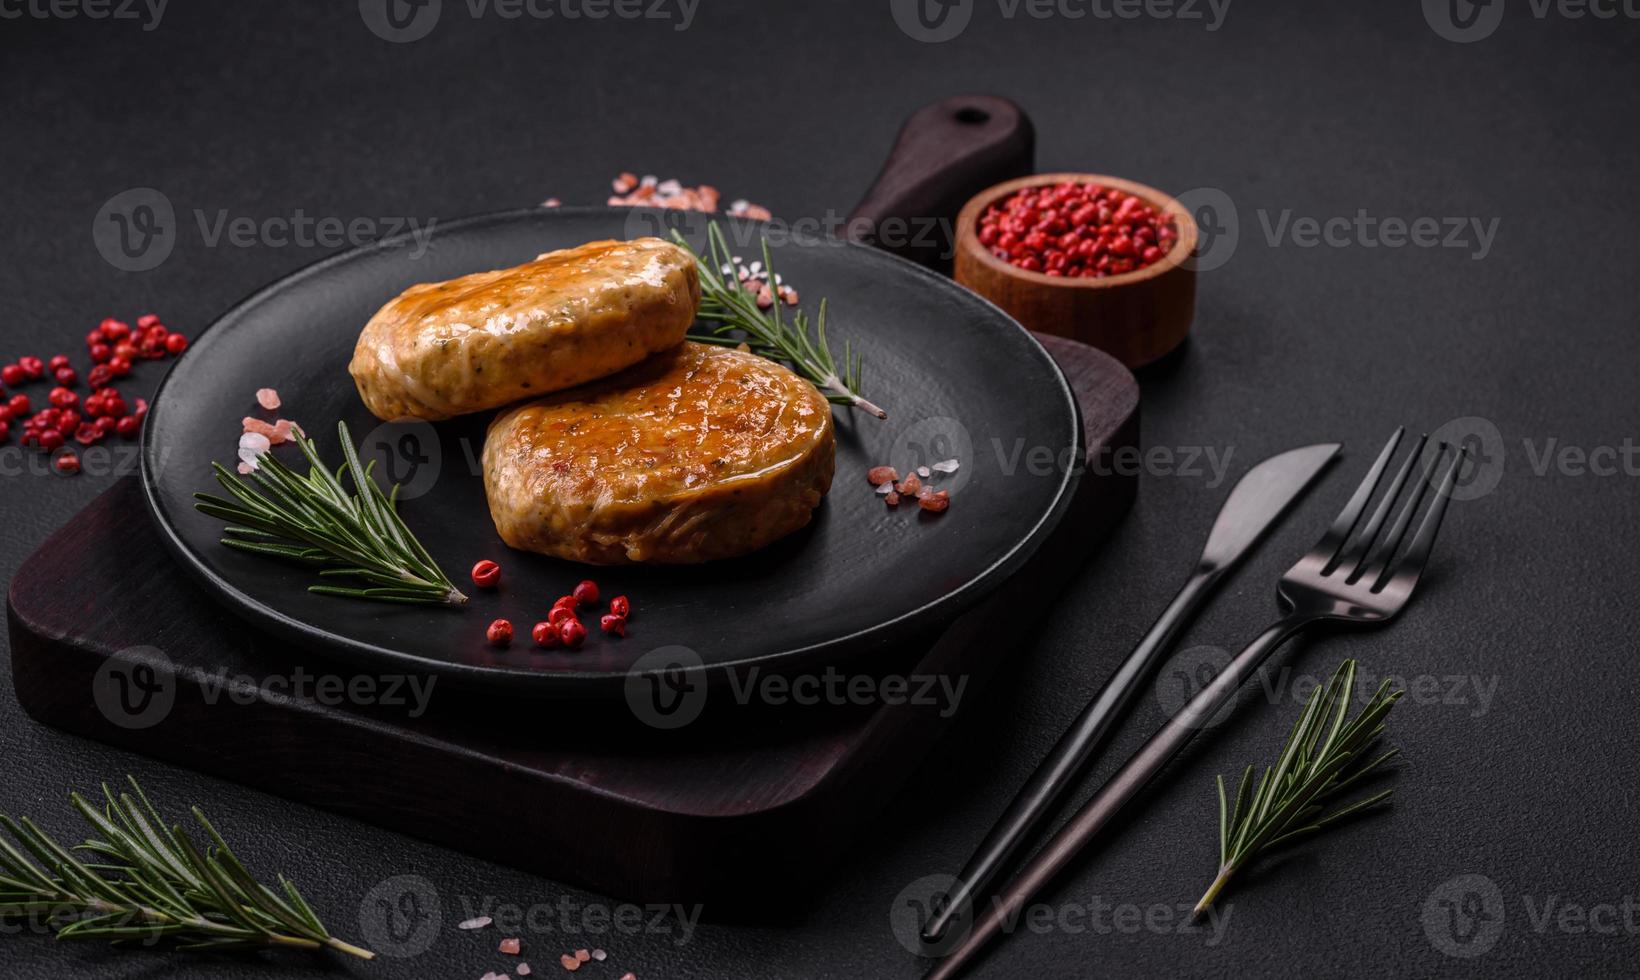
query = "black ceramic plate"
x=959 y=378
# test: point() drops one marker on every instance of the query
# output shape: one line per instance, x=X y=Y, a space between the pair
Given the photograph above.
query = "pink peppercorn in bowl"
x=1086 y=256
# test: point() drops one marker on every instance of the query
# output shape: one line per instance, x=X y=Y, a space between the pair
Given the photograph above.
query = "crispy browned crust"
x=696 y=454
x=491 y=338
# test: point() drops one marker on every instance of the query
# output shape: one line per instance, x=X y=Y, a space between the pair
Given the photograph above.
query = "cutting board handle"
x=946 y=153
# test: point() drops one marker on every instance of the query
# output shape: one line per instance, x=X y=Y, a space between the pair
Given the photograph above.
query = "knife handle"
x=946 y=153
x=1059 y=771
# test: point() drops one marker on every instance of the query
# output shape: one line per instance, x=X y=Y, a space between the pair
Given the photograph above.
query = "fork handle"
x=1134 y=775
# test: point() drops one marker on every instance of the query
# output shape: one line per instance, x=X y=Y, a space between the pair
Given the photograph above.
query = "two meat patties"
x=690 y=453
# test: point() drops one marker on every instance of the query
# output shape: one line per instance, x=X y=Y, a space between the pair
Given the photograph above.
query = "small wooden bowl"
x=1137 y=317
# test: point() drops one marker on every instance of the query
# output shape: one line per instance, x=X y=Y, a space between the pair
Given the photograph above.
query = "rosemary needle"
x=731 y=317
x=279 y=513
x=1322 y=758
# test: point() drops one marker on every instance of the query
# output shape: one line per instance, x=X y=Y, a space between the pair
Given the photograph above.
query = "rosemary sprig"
x=731 y=317
x=145 y=881
x=1322 y=758
x=313 y=519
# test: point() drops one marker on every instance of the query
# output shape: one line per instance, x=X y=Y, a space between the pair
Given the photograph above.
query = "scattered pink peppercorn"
x=499 y=633
x=586 y=591
x=486 y=574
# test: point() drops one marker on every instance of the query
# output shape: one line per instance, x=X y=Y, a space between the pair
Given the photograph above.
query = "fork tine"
x=1332 y=543
x=1352 y=559
x=1385 y=549
x=1412 y=563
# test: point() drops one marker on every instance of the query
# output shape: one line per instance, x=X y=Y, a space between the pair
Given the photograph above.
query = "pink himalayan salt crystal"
x=278 y=432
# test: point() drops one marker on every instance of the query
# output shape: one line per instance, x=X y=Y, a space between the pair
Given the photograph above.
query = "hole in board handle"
x=972 y=116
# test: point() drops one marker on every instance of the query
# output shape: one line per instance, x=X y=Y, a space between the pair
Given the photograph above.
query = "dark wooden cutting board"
x=582 y=792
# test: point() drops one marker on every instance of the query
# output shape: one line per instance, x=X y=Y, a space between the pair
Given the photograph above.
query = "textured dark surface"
x=261 y=109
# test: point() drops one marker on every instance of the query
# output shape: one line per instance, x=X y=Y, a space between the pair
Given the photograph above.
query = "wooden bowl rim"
x=968 y=229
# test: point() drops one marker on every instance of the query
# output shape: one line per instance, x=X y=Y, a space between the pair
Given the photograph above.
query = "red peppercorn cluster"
x=1076 y=231
x=563 y=626
x=113 y=347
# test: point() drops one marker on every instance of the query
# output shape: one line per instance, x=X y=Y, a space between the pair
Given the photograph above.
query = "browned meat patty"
x=488 y=339
x=698 y=453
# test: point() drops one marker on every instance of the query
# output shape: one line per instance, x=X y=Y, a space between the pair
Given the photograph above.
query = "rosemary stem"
x=836 y=384
x=1213 y=891
x=343 y=946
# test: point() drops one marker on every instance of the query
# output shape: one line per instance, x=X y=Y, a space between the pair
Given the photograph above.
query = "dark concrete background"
x=1525 y=775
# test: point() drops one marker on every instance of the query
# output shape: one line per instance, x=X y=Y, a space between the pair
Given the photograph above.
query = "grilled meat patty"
x=698 y=453
x=491 y=338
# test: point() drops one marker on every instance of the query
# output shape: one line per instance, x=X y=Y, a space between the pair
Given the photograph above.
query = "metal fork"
x=1357 y=573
